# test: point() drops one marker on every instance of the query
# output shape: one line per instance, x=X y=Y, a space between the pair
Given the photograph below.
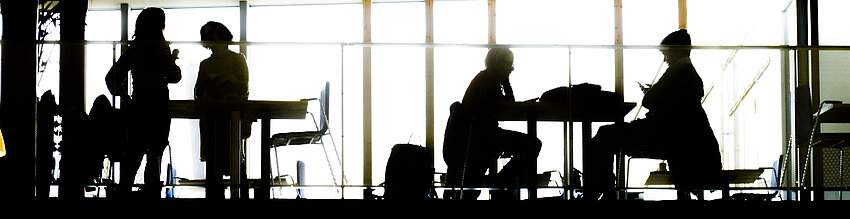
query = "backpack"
x=584 y=94
x=409 y=174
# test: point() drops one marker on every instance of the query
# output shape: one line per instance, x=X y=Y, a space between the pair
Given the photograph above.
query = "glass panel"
x=832 y=19
x=306 y=23
x=742 y=86
x=185 y=24
x=747 y=23
x=402 y=22
x=103 y=25
x=460 y=22
x=647 y=22
x=553 y=22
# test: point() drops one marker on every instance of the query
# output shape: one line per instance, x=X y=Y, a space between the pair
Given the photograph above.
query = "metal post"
x=235 y=155
x=618 y=81
x=429 y=78
x=367 y=94
x=243 y=27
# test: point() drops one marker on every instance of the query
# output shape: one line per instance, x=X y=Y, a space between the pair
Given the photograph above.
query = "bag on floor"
x=409 y=174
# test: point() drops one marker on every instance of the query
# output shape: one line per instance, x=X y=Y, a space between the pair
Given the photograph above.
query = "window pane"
x=460 y=22
x=747 y=23
x=832 y=22
x=103 y=25
x=306 y=23
x=554 y=22
x=185 y=24
x=647 y=22
x=398 y=22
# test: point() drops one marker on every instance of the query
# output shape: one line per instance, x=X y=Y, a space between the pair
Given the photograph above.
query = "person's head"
x=214 y=32
x=150 y=24
x=676 y=39
x=500 y=60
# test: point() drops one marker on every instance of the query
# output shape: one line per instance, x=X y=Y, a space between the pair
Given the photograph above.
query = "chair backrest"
x=324 y=103
x=456 y=137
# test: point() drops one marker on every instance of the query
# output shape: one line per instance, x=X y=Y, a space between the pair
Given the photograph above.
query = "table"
x=243 y=110
x=532 y=112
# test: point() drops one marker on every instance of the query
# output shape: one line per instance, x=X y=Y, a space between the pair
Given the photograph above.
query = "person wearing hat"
x=675 y=129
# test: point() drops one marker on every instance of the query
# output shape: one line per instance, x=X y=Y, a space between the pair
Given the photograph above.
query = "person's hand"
x=174 y=53
x=644 y=87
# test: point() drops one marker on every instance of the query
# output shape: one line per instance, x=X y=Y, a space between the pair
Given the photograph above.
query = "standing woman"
x=221 y=77
x=150 y=61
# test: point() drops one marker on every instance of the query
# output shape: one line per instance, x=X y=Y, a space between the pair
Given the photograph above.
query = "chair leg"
x=330 y=167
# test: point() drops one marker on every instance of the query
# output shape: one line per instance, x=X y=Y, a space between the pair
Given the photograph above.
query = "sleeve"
x=678 y=87
x=243 y=77
x=116 y=78
x=172 y=71
x=482 y=95
x=203 y=81
x=509 y=91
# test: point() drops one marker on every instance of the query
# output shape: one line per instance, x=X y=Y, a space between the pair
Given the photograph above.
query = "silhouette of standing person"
x=221 y=77
x=675 y=128
x=473 y=119
x=151 y=62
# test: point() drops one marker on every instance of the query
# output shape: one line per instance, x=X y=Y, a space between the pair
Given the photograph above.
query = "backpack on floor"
x=409 y=174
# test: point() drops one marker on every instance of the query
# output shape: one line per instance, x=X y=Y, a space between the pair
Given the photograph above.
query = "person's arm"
x=116 y=78
x=509 y=91
x=202 y=83
x=676 y=88
x=243 y=77
x=172 y=71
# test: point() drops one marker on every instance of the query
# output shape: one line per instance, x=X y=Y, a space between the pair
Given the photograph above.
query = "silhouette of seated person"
x=221 y=77
x=473 y=136
x=675 y=128
x=83 y=149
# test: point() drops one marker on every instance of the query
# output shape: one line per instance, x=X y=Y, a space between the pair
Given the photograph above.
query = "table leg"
x=264 y=190
x=568 y=160
x=531 y=171
x=586 y=135
x=235 y=158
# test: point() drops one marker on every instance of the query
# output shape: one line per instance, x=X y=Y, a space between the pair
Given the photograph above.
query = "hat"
x=679 y=37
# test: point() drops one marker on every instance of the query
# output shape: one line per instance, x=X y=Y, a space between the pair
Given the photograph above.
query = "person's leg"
x=522 y=148
x=129 y=166
x=636 y=137
x=156 y=131
x=598 y=159
x=153 y=185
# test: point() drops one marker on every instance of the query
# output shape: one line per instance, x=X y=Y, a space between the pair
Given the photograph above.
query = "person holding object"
x=675 y=128
x=151 y=62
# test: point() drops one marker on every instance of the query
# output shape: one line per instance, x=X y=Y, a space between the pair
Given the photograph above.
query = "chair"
x=456 y=153
x=455 y=150
x=663 y=177
x=809 y=132
x=311 y=137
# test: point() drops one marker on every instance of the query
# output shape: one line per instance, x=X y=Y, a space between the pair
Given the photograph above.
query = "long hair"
x=149 y=24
